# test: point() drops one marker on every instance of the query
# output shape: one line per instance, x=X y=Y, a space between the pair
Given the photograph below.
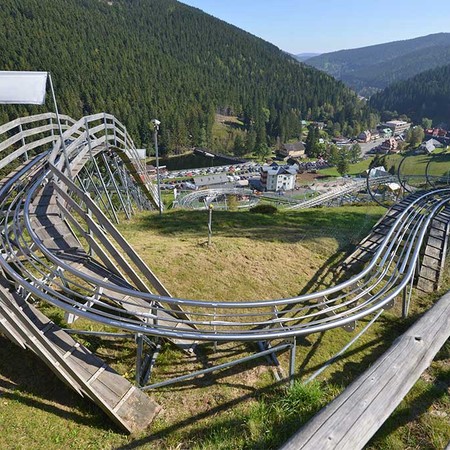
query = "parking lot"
x=240 y=171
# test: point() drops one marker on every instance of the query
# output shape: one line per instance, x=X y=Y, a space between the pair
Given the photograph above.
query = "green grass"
x=252 y=256
x=354 y=169
x=438 y=164
x=438 y=161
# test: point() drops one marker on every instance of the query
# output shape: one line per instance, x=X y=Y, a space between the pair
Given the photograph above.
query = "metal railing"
x=48 y=275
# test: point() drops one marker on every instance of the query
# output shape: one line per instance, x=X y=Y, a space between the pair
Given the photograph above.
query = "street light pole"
x=156 y=123
x=210 y=207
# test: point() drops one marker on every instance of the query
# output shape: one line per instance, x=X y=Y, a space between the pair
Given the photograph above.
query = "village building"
x=294 y=150
x=278 y=178
x=340 y=140
x=319 y=125
x=389 y=146
x=429 y=146
x=436 y=132
x=397 y=126
x=375 y=172
x=364 y=136
x=375 y=134
x=210 y=179
x=386 y=132
x=151 y=170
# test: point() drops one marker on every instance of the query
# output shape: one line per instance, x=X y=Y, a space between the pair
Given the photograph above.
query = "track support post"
x=292 y=361
x=139 y=357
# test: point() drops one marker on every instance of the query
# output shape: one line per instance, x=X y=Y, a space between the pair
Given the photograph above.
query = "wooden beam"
x=354 y=417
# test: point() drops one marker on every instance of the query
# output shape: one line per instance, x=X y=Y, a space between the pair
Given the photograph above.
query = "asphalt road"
x=365 y=147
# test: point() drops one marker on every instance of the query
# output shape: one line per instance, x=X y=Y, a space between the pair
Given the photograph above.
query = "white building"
x=397 y=126
x=429 y=146
x=278 y=178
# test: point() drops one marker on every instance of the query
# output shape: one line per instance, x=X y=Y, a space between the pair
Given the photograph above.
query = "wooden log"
x=354 y=417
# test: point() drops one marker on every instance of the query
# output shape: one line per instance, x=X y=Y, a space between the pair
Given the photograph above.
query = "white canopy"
x=23 y=87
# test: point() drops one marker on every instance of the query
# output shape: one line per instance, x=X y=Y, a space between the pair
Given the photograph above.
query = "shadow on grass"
x=226 y=427
x=31 y=380
x=391 y=329
x=207 y=358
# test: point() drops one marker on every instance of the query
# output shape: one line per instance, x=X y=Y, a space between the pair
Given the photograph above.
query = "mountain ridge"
x=372 y=68
x=302 y=57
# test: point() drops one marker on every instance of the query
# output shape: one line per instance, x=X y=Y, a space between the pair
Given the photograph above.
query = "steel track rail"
x=416 y=212
x=47 y=275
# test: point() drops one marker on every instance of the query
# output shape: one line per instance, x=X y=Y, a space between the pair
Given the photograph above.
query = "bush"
x=264 y=209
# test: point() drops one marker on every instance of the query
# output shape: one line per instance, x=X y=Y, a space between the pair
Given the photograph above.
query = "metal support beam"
x=345 y=348
x=99 y=174
x=139 y=357
x=278 y=348
x=116 y=187
x=292 y=361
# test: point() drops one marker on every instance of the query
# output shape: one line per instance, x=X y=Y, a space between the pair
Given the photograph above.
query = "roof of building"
x=294 y=147
x=396 y=122
x=279 y=170
x=379 y=171
x=435 y=142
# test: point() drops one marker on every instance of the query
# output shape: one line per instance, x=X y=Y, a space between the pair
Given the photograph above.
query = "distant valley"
x=302 y=57
x=371 y=69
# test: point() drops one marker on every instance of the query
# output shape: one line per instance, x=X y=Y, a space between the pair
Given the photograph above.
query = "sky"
x=320 y=26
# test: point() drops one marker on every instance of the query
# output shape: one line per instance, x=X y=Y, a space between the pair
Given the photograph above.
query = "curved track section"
x=202 y=198
x=351 y=187
x=58 y=245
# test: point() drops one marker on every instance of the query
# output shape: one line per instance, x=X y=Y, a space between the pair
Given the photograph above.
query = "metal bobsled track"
x=59 y=200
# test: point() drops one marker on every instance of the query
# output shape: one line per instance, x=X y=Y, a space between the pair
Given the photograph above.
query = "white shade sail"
x=22 y=87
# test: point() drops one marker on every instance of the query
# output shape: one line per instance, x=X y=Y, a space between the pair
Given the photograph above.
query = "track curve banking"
x=58 y=245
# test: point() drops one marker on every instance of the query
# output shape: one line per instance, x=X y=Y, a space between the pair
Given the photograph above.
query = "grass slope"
x=253 y=256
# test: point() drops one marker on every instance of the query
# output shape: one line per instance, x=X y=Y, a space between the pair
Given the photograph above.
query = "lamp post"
x=210 y=208
x=156 y=123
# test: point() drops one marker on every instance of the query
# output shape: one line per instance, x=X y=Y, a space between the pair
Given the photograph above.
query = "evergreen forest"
x=425 y=95
x=145 y=59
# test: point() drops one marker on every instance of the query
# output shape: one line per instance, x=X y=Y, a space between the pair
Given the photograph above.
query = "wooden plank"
x=434 y=242
x=80 y=369
x=353 y=418
x=30 y=119
x=51 y=234
x=19 y=152
x=8 y=330
x=112 y=230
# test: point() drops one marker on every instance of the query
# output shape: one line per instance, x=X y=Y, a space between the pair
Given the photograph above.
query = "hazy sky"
x=298 y=26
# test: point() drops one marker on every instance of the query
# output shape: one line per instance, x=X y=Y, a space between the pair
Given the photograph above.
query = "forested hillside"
x=141 y=59
x=425 y=95
x=369 y=69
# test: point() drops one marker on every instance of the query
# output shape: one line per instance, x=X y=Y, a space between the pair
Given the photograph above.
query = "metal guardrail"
x=354 y=186
x=199 y=199
x=47 y=275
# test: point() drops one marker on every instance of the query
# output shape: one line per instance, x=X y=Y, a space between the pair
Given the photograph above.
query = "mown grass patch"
x=354 y=169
